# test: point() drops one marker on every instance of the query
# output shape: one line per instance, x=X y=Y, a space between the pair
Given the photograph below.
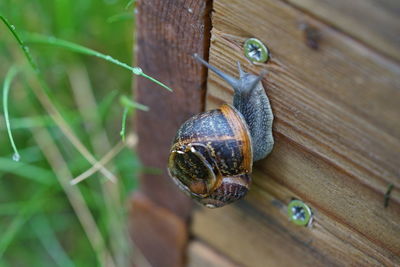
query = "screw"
x=255 y=50
x=299 y=213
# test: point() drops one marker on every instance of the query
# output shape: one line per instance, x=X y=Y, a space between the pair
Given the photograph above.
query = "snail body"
x=212 y=154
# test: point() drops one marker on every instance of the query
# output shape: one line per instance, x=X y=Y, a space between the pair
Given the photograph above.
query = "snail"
x=212 y=155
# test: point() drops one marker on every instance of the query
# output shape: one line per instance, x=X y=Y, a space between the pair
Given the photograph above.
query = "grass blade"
x=128 y=106
x=40 y=92
x=74 y=195
x=6 y=89
x=123 y=123
x=120 y=17
x=112 y=153
x=128 y=103
x=131 y=2
x=25 y=49
x=28 y=210
x=42 y=39
x=31 y=172
x=46 y=236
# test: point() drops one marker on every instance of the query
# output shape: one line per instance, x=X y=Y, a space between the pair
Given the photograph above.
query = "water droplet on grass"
x=137 y=71
x=16 y=157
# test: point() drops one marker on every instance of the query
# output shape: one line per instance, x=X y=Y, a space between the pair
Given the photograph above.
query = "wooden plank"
x=375 y=23
x=255 y=239
x=337 y=133
x=169 y=32
x=200 y=255
x=160 y=235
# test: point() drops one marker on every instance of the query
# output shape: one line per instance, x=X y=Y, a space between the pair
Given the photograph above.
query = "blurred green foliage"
x=38 y=226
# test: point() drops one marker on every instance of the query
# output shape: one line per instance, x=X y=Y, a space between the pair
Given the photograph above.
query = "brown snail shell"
x=212 y=154
x=211 y=157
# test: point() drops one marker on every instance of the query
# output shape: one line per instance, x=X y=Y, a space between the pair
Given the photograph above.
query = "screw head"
x=299 y=213
x=255 y=50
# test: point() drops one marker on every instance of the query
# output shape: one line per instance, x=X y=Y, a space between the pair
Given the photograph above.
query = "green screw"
x=256 y=51
x=299 y=213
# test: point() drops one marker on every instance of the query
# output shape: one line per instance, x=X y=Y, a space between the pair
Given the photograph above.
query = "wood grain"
x=200 y=255
x=375 y=23
x=169 y=33
x=337 y=132
x=160 y=235
x=253 y=238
